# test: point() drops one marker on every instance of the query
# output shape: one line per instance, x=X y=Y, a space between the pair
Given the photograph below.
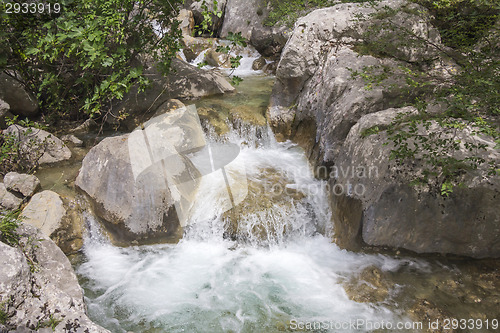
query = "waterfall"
x=262 y=266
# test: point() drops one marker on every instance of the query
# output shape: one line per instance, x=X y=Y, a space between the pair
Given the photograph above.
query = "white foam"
x=207 y=283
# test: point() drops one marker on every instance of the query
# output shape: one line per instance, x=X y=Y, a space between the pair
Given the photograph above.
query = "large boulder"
x=13 y=92
x=129 y=178
x=8 y=200
x=22 y=183
x=4 y=113
x=391 y=212
x=248 y=18
x=187 y=22
x=57 y=220
x=39 y=289
x=184 y=82
x=39 y=146
x=321 y=101
x=316 y=88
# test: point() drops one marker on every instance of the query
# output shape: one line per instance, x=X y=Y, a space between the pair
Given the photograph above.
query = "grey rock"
x=72 y=139
x=184 y=82
x=25 y=184
x=196 y=8
x=134 y=206
x=12 y=92
x=269 y=41
x=192 y=47
x=47 y=211
x=248 y=17
x=331 y=99
x=4 y=114
x=39 y=145
x=49 y=289
x=258 y=64
x=7 y=199
x=4 y=107
x=315 y=83
x=396 y=214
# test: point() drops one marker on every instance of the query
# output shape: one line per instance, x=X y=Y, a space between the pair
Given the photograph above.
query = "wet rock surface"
x=184 y=82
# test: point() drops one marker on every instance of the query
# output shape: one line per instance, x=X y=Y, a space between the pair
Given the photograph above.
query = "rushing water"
x=256 y=283
x=267 y=265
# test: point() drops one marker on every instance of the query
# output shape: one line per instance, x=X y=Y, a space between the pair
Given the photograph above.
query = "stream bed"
x=269 y=265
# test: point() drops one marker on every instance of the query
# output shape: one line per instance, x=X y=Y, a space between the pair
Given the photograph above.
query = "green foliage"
x=9 y=223
x=236 y=80
x=470 y=93
x=370 y=131
x=20 y=156
x=436 y=143
x=288 y=11
x=87 y=55
x=236 y=39
x=372 y=75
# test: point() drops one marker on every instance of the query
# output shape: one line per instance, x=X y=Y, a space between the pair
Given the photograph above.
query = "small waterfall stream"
x=269 y=265
x=278 y=266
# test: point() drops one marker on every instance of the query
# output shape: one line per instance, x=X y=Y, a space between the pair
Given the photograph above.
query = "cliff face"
x=39 y=290
x=318 y=102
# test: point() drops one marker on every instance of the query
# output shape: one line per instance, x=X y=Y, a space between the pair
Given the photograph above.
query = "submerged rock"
x=426 y=312
x=261 y=218
x=39 y=289
x=258 y=64
x=70 y=138
x=215 y=118
x=47 y=211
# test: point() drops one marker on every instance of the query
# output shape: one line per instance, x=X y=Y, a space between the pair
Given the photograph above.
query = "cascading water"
x=264 y=266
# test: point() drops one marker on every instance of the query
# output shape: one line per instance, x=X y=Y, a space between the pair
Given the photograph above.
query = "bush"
x=8 y=225
x=80 y=59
